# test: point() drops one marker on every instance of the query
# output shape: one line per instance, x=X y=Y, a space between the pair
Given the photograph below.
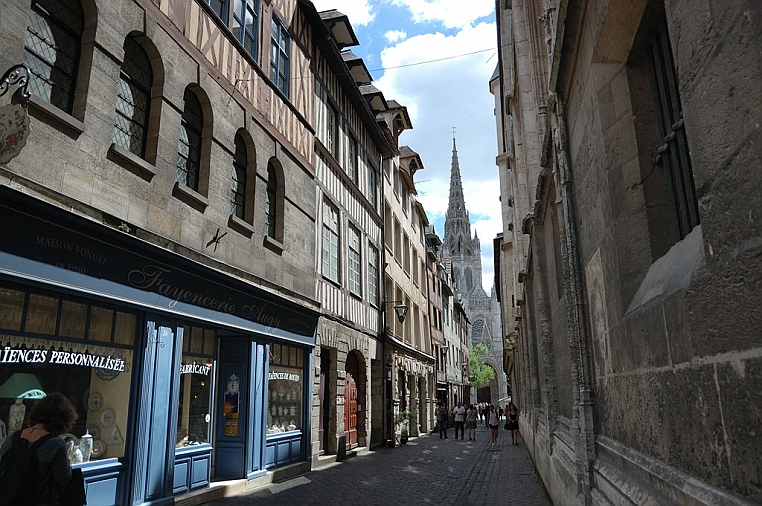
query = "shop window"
x=285 y=382
x=194 y=413
x=51 y=51
x=54 y=352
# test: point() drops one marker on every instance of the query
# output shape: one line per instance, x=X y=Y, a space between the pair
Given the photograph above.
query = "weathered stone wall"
x=663 y=332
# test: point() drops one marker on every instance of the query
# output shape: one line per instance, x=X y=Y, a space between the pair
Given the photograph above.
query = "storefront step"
x=326 y=460
x=220 y=489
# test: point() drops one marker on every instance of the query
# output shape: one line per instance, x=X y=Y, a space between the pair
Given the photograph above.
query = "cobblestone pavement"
x=427 y=470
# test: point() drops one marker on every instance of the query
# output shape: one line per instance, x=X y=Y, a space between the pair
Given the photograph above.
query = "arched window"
x=133 y=99
x=271 y=205
x=238 y=192
x=189 y=145
x=51 y=50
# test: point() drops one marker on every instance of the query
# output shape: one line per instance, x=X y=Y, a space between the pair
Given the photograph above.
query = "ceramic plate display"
x=75 y=438
x=94 y=431
x=99 y=448
x=108 y=417
x=95 y=401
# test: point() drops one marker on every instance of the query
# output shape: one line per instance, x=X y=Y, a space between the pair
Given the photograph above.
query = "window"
x=246 y=24
x=352 y=159
x=51 y=50
x=330 y=263
x=238 y=190
x=673 y=152
x=195 y=387
x=220 y=7
x=133 y=99
x=285 y=388
x=372 y=275
x=189 y=146
x=330 y=134
x=355 y=260
x=271 y=205
x=279 y=55
x=371 y=186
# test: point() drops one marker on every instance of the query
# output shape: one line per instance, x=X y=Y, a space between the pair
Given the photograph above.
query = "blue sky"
x=444 y=52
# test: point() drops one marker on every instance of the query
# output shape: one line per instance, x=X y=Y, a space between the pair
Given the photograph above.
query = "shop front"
x=180 y=374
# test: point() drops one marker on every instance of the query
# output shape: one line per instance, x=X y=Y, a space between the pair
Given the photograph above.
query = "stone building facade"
x=463 y=252
x=630 y=253
x=410 y=363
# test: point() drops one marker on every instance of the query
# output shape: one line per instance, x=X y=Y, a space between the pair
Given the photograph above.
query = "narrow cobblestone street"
x=426 y=470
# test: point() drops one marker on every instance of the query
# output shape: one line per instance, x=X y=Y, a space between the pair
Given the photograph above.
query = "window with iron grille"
x=330 y=262
x=220 y=7
x=238 y=190
x=280 y=51
x=189 y=145
x=372 y=275
x=271 y=204
x=246 y=24
x=355 y=260
x=133 y=99
x=673 y=152
x=51 y=50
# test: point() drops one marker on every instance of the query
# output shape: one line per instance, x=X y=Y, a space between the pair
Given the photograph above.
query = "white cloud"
x=359 y=12
x=451 y=13
x=395 y=35
x=442 y=95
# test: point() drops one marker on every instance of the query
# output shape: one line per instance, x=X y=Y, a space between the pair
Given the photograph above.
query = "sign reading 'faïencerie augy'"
x=23 y=356
x=49 y=235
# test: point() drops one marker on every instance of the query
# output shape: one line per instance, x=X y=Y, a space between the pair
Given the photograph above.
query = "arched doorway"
x=350 y=401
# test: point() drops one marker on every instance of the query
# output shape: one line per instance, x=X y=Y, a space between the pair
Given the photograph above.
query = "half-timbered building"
x=349 y=149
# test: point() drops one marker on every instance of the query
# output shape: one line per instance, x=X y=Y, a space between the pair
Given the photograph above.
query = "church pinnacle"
x=457 y=237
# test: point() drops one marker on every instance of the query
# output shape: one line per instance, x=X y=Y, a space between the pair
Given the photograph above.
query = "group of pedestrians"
x=466 y=418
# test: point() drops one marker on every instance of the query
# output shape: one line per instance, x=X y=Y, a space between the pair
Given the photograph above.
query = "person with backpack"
x=33 y=461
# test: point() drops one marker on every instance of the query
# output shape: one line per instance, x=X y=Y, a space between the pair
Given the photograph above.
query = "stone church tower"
x=483 y=310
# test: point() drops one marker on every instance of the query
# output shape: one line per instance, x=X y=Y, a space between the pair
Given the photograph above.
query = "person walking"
x=442 y=420
x=460 y=419
x=512 y=423
x=494 y=423
x=51 y=416
x=471 y=415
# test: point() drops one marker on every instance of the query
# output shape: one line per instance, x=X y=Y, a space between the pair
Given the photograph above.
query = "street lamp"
x=399 y=308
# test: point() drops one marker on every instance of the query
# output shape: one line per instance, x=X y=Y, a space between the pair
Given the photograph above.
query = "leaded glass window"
x=271 y=205
x=238 y=191
x=189 y=145
x=133 y=99
x=51 y=50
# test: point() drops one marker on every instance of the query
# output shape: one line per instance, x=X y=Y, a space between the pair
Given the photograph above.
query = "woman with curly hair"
x=51 y=416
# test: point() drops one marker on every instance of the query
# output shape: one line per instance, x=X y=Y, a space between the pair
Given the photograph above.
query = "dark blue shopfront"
x=216 y=384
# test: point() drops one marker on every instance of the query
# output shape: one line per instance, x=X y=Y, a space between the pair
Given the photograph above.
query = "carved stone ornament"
x=14 y=129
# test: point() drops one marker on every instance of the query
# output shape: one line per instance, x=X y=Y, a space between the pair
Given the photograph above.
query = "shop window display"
x=196 y=372
x=49 y=344
x=284 y=410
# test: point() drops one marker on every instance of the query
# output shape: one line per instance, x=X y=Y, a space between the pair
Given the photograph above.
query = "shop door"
x=350 y=411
